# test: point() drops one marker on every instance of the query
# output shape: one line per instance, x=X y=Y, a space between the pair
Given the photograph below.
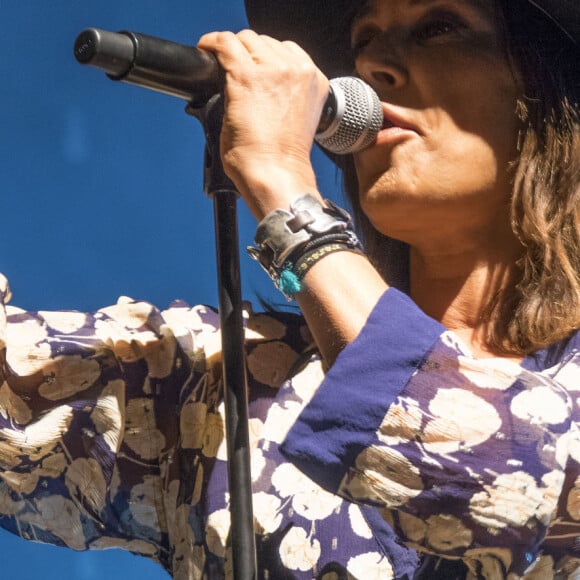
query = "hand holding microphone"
x=351 y=115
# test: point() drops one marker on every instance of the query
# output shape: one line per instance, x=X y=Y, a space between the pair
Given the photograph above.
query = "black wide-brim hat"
x=321 y=27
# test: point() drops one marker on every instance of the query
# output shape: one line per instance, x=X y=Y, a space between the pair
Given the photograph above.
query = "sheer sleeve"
x=464 y=457
x=104 y=417
x=112 y=436
x=85 y=440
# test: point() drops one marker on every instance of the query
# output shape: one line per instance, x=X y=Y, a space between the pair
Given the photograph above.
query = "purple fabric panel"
x=343 y=416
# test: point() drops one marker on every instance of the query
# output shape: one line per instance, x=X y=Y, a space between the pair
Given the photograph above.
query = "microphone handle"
x=174 y=69
x=350 y=120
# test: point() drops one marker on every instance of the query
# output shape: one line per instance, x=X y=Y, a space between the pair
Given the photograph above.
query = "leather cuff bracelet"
x=284 y=237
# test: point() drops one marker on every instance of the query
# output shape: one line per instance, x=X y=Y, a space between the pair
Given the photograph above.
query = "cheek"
x=471 y=164
x=487 y=109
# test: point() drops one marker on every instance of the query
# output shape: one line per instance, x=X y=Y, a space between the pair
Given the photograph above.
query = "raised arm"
x=274 y=98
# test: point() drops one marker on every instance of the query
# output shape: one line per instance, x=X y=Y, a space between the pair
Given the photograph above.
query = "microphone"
x=351 y=118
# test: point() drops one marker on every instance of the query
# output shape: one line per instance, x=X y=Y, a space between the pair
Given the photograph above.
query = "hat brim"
x=564 y=13
x=321 y=26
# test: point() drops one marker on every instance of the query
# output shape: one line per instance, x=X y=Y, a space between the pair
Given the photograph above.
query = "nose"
x=382 y=68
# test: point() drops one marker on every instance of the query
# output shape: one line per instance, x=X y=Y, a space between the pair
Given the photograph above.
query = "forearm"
x=339 y=290
x=339 y=293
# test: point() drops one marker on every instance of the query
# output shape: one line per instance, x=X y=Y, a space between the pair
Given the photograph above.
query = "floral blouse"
x=112 y=435
x=477 y=459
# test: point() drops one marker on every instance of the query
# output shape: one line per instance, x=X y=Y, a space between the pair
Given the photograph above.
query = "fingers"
x=227 y=47
x=248 y=47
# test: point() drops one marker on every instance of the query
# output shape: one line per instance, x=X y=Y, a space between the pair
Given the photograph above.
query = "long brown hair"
x=542 y=306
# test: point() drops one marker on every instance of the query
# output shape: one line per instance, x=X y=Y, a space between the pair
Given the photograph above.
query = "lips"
x=396 y=127
x=392 y=119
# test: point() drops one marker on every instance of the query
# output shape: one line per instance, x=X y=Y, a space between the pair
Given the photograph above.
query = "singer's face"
x=449 y=98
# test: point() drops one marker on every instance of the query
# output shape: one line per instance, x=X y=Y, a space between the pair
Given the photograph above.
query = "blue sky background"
x=101 y=195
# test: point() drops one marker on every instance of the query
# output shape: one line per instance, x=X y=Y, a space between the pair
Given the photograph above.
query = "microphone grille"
x=358 y=118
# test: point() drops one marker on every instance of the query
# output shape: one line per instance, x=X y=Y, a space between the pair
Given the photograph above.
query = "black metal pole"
x=235 y=387
x=224 y=194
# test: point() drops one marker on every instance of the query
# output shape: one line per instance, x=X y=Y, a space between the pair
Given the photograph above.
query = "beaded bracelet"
x=289 y=281
x=287 y=240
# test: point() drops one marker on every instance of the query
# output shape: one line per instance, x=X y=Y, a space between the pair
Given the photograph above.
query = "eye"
x=360 y=39
x=440 y=24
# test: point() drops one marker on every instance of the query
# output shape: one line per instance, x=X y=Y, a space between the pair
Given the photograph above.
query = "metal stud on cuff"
x=283 y=232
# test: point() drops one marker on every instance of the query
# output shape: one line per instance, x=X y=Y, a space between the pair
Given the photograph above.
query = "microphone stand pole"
x=219 y=187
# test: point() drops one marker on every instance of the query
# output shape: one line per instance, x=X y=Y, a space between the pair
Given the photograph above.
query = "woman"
x=476 y=172
x=447 y=415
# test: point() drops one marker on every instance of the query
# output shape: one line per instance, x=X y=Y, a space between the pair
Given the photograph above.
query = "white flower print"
x=461 y=418
x=573 y=445
x=188 y=560
x=258 y=463
x=514 y=499
x=446 y=533
x=128 y=313
x=493 y=562
x=146 y=502
x=193 y=333
x=358 y=523
x=11 y=405
x=298 y=551
x=442 y=532
x=25 y=334
x=53 y=465
x=495 y=373
x=280 y=419
x=26 y=481
x=199 y=484
x=306 y=383
x=384 y=475
x=68 y=376
x=141 y=434
x=186 y=320
x=370 y=566
x=192 y=424
x=8 y=455
x=262 y=326
x=26 y=360
x=415 y=529
x=217 y=530
x=270 y=363
x=65 y=322
x=124 y=341
x=540 y=406
x=108 y=414
x=401 y=423
x=160 y=353
x=568 y=374
x=135 y=546
x=308 y=499
x=40 y=437
x=23 y=483
x=59 y=516
x=85 y=477
x=255 y=427
x=213 y=435
x=267 y=514
x=8 y=506
x=573 y=502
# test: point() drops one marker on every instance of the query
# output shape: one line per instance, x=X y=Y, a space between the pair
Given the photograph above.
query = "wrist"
x=266 y=186
x=290 y=241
